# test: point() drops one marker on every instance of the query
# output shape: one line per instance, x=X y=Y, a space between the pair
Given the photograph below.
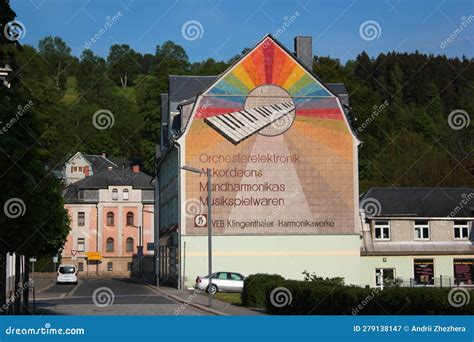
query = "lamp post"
x=209 y=224
x=140 y=250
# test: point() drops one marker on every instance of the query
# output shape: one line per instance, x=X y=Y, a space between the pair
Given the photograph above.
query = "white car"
x=67 y=274
x=221 y=281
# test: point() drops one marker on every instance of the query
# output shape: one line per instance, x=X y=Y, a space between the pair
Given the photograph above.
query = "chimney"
x=135 y=168
x=304 y=50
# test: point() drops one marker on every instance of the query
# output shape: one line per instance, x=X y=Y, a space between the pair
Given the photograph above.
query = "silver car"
x=221 y=281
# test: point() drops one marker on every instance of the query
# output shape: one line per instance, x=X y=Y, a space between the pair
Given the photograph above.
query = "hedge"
x=253 y=294
x=314 y=299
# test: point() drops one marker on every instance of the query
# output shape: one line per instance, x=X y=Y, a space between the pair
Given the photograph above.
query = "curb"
x=183 y=301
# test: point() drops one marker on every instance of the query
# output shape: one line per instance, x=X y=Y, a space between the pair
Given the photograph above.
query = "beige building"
x=421 y=236
x=112 y=213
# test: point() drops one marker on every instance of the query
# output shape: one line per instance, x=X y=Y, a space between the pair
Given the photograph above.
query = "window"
x=110 y=218
x=235 y=276
x=125 y=195
x=461 y=230
x=81 y=219
x=422 y=230
x=382 y=230
x=129 y=219
x=110 y=266
x=81 y=244
x=115 y=194
x=80 y=267
x=384 y=277
x=110 y=245
x=463 y=271
x=424 y=271
x=222 y=275
x=129 y=245
x=129 y=266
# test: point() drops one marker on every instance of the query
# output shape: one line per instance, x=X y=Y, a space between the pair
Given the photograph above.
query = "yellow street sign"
x=93 y=255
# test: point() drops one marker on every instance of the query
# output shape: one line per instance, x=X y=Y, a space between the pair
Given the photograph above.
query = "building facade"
x=420 y=236
x=112 y=213
x=283 y=160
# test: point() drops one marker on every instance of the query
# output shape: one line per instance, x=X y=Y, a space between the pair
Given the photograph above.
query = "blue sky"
x=230 y=25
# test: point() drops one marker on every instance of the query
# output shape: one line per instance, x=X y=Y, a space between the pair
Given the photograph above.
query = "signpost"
x=32 y=285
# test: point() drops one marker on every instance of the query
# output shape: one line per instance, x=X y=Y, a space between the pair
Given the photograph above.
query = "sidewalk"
x=200 y=301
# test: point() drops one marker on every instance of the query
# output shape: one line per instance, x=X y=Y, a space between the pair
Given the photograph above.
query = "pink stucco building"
x=108 y=211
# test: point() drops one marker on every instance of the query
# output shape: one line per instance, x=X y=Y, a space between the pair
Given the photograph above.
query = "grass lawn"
x=233 y=298
x=71 y=94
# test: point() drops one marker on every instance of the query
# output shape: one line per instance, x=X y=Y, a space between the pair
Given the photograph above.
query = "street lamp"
x=209 y=224
x=140 y=249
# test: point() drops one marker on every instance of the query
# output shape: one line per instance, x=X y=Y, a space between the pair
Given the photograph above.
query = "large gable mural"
x=280 y=148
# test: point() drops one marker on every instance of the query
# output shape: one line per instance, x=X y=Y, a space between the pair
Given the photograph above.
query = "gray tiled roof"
x=422 y=202
x=186 y=87
x=106 y=178
x=99 y=162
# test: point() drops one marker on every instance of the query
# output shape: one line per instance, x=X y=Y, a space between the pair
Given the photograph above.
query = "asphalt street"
x=109 y=296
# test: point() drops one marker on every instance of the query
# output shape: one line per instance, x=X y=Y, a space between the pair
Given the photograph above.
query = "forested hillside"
x=400 y=106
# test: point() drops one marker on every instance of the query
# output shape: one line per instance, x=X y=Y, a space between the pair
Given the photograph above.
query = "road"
x=108 y=296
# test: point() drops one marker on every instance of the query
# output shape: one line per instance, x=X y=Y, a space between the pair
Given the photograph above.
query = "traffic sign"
x=33 y=259
x=200 y=220
x=150 y=246
x=55 y=259
x=93 y=255
x=73 y=252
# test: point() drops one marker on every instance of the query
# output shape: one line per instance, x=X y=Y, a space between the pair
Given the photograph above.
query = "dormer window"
x=382 y=230
x=125 y=194
x=422 y=230
x=114 y=194
x=461 y=230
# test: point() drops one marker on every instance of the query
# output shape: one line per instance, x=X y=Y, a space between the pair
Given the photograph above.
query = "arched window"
x=129 y=219
x=110 y=218
x=129 y=245
x=125 y=194
x=110 y=245
x=115 y=194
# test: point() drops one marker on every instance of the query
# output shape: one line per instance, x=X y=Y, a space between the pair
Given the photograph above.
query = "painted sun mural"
x=280 y=148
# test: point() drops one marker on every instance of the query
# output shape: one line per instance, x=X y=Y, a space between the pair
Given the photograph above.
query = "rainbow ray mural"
x=280 y=149
x=269 y=64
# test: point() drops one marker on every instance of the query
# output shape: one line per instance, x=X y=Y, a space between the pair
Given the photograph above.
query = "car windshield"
x=67 y=269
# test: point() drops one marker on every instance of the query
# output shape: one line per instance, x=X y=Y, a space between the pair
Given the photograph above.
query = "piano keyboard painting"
x=238 y=126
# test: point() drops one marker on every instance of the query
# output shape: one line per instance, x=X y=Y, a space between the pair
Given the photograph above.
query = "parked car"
x=221 y=281
x=67 y=274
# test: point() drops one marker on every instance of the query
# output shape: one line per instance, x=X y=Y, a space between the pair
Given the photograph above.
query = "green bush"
x=253 y=294
x=310 y=298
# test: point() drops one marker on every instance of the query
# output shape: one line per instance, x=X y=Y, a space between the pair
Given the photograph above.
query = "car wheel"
x=214 y=289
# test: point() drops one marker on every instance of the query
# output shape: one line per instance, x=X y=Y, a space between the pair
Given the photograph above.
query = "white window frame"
x=458 y=225
x=382 y=227
x=422 y=228
x=81 y=242
x=125 y=194
x=114 y=194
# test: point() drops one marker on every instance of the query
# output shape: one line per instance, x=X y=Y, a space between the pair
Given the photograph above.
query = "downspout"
x=365 y=228
x=156 y=217
x=179 y=212
x=97 y=236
